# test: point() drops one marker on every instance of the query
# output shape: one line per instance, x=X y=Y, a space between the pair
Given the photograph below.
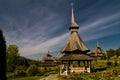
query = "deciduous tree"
x=12 y=57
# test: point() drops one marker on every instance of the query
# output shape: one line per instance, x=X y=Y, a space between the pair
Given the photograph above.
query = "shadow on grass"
x=100 y=69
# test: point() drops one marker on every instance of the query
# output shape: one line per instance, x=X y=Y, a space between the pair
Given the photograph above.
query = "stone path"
x=50 y=77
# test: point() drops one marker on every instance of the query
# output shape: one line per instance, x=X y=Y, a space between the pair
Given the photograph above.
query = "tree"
x=118 y=52
x=110 y=53
x=32 y=70
x=2 y=57
x=12 y=57
x=20 y=71
x=113 y=52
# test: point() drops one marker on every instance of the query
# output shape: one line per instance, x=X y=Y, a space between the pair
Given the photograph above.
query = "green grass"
x=111 y=72
x=89 y=76
x=32 y=77
x=28 y=78
x=116 y=78
x=114 y=67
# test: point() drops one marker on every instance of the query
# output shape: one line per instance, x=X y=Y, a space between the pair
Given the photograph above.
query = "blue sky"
x=37 y=26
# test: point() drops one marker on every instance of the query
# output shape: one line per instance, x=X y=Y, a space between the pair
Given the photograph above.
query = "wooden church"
x=49 y=61
x=75 y=58
x=98 y=53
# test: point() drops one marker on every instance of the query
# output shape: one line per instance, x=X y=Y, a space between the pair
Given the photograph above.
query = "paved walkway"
x=50 y=77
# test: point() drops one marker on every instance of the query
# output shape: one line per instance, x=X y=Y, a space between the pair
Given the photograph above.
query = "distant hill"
x=23 y=61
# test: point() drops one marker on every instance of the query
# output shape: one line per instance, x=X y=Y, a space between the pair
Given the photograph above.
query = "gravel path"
x=50 y=77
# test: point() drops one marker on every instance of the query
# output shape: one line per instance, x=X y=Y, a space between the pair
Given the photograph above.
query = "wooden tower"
x=75 y=50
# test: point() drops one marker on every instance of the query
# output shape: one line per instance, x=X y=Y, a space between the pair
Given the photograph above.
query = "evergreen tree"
x=2 y=57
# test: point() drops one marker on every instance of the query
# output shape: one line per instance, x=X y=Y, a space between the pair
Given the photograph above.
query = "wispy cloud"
x=100 y=22
x=51 y=43
x=42 y=47
x=36 y=26
x=100 y=27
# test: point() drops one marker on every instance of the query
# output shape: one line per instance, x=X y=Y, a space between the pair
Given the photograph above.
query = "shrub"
x=19 y=73
x=32 y=70
x=109 y=63
x=115 y=63
x=21 y=67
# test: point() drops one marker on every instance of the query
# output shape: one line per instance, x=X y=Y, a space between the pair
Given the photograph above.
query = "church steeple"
x=73 y=25
x=74 y=43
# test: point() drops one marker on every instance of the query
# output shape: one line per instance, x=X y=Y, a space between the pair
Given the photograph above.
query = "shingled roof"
x=97 y=51
x=72 y=57
x=74 y=43
x=48 y=57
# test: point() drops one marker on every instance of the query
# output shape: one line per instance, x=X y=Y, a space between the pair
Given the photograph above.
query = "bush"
x=115 y=63
x=109 y=63
x=19 y=73
x=32 y=70
x=21 y=67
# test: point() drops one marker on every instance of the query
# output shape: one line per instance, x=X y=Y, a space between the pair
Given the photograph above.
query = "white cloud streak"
x=35 y=37
x=100 y=22
x=42 y=47
x=56 y=41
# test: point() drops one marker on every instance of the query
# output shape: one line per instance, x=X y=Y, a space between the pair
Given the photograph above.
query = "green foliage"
x=12 y=57
x=90 y=76
x=20 y=71
x=21 y=67
x=112 y=52
x=41 y=71
x=99 y=64
x=109 y=64
x=47 y=70
x=32 y=70
x=34 y=62
x=28 y=78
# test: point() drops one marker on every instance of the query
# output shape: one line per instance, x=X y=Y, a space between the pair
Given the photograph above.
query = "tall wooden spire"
x=74 y=43
x=73 y=22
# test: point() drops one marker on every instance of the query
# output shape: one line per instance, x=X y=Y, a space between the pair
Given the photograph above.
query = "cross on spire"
x=98 y=44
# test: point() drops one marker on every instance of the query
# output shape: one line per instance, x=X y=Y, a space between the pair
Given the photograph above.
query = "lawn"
x=87 y=76
x=32 y=77
x=112 y=72
x=28 y=78
x=107 y=75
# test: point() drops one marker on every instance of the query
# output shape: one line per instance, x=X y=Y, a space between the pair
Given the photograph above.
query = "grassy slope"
x=28 y=78
x=97 y=75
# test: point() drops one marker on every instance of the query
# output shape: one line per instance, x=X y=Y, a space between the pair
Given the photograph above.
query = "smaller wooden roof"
x=49 y=61
x=48 y=57
x=76 y=57
x=97 y=51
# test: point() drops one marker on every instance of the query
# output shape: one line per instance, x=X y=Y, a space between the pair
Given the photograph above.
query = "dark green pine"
x=2 y=57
